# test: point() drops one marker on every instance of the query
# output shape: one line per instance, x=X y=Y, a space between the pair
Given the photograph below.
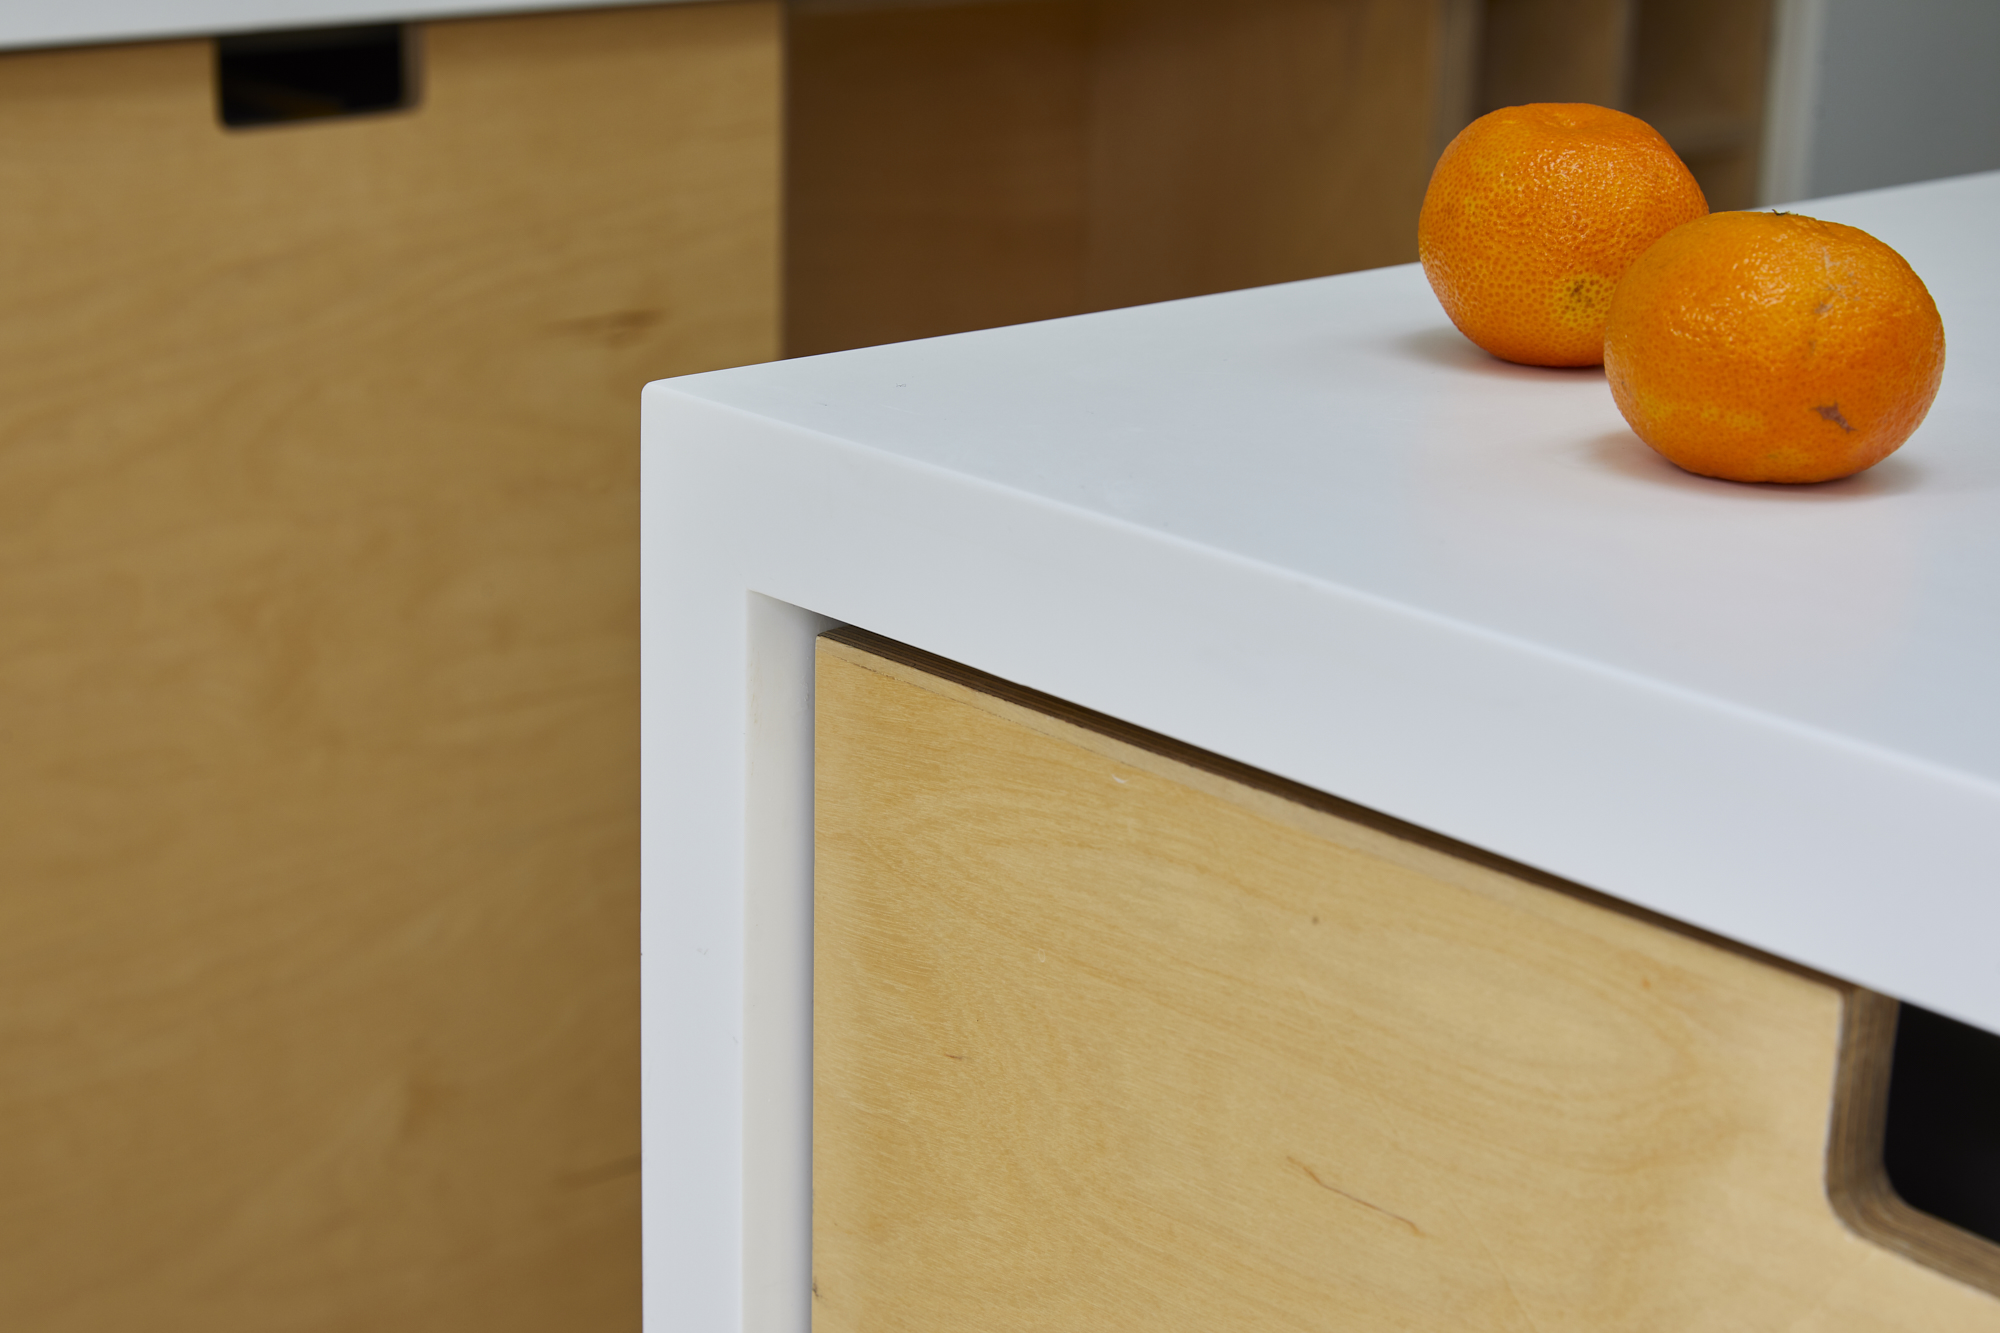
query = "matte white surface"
x=1310 y=528
x=1871 y=93
x=31 y=23
x=1909 y=91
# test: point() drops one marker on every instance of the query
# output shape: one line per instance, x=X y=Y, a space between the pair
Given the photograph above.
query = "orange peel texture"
x=1773 y=347
x=1532 y=216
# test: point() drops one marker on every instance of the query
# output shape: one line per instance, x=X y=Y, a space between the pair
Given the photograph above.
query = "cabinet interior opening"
x=1941 y=1147
x=272 y=78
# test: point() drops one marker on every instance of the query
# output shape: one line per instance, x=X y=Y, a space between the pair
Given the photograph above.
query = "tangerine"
x=1773 y=347
x=1532 y=215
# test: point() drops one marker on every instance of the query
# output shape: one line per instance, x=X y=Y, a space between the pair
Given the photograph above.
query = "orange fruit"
x=1534 y=213
x=1773 y=347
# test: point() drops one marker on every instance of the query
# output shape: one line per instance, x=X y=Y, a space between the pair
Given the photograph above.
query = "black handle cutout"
x=1942 y=1145
x=274 y=78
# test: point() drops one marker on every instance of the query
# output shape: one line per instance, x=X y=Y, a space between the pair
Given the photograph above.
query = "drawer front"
x=319 y=697
x=1110 y=1035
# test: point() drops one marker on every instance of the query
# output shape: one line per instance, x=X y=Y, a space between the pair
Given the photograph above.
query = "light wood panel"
x=961 y=165
x=318 y=682
x=1110 y=1035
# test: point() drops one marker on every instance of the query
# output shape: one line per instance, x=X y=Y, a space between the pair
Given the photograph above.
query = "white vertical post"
x=1791 y=106
x=777 y=969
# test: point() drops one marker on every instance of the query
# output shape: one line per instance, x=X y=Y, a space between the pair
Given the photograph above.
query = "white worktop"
x=1311 y=528
x=33 y=23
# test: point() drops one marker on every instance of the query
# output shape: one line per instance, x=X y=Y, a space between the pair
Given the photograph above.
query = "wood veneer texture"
x=319 y=680
x=1111 y=1035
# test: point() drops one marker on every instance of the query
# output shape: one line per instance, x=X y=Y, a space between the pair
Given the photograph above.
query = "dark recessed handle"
x=272 y=78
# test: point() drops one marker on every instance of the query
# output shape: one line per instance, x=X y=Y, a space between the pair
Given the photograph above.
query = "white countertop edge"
x=1426 y=720
x=26 y=26
x=1385 y=682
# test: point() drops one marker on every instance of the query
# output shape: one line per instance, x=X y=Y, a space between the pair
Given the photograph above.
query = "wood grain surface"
x=318 y=665
x=1110 y=1035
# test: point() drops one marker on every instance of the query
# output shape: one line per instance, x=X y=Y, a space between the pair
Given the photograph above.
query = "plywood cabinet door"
x=319 y=665
x=1113 y=1035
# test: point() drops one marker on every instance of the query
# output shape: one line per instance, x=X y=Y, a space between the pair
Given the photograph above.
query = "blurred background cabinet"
x=956 y=164
x=319 y=686
x=319 y=525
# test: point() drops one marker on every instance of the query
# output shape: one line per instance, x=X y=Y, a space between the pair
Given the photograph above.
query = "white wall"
x=1867 y=93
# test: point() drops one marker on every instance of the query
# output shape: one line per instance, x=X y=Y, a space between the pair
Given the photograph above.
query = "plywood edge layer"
x=1857 y=1186
x=1856 y=1181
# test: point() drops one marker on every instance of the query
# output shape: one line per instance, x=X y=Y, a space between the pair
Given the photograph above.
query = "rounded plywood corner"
x=1857 y=1182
